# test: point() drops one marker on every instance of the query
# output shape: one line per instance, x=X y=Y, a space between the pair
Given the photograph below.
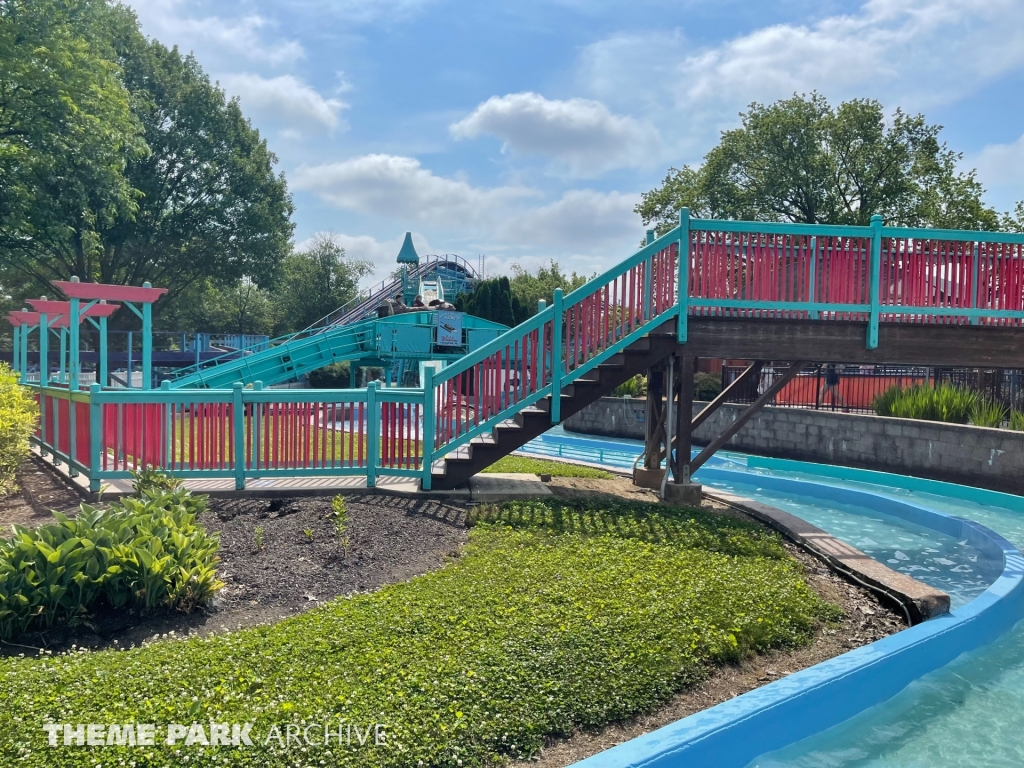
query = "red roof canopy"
x=19 y=317
x=91 y=291
x=57 y=317
x=51 y=308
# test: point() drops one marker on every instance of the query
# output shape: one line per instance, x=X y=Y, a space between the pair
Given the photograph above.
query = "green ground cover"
x=531 y=466
x=555 y=616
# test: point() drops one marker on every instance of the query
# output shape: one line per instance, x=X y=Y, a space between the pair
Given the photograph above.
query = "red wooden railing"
x=468 y=398
x=951 y=275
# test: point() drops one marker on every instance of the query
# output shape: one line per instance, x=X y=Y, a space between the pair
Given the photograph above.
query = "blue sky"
x=526 y=131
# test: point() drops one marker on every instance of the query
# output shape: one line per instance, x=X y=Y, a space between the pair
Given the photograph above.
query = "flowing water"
x=968 y=713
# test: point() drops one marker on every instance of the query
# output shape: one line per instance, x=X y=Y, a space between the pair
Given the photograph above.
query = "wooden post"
x=684 y=419
x=654 y=428
x=740 y=422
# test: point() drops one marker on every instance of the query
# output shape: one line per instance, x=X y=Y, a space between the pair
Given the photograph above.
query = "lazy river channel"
x=969 y=712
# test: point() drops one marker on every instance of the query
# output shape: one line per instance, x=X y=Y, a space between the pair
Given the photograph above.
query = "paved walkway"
x=482 y=488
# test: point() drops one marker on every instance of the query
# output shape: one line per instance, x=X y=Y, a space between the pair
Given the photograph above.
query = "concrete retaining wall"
x=979 y=456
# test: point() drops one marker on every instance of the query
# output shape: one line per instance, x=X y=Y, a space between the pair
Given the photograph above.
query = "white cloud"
x=909 y=53
x=581 y=220
x=1002 y=163
x=582 y=134
x=285 y=99
x=215 y=38
x=382 y=254
x=389 y=185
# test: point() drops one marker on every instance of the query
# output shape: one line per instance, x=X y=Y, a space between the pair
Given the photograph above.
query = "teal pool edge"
x=807 y=702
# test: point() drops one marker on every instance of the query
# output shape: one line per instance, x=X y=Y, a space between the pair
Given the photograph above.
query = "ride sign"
x=449 y=329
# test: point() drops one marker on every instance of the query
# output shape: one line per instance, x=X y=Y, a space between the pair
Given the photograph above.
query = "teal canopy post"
x=147 y=342
x=26 y=335
x=44 y=351
x=73 y=342
x=101 y=364
x=128 y=362
x=73 y=361
x=16 y=357
x=62 y=369
x=876 y=271
x=684 y=273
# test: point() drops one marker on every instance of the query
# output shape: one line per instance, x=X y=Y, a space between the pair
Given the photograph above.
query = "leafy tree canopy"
x=67 y=129
x=512 y=301
x=141 y=170
x=316 y=281
x=800 y=160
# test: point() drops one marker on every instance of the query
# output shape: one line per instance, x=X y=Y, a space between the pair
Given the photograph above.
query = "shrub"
x=988 y=413
x=635 y=387
x=1017 y=420
x=945 y=402
x=140 y=553
x=706 y=386
x=882 y=404
x=18 y=415
x=333 y=376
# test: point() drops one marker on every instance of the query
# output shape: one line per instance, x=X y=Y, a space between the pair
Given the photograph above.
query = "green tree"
x=315 y=282
x=512 y=301
x=203 y=200
x=800 y=160
x=1014 y=222
x=213 y=307
x=529 y=288
x=492 y=300
x=67 y=131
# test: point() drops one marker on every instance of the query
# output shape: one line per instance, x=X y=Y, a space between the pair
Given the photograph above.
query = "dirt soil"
x=301 y=564
x=39 y=491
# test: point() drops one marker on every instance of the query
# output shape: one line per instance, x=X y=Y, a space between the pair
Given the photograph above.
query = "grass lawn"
x=555 y=616
x=533 y=466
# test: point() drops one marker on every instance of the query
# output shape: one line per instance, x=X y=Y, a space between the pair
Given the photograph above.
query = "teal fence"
x=871 y=274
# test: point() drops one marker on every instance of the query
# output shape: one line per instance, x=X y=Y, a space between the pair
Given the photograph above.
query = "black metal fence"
x=853 y=388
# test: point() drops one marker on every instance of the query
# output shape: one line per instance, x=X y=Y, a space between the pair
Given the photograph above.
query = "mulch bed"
x=392 y=540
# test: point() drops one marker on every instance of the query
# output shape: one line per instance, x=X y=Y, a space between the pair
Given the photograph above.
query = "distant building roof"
x=408 y=253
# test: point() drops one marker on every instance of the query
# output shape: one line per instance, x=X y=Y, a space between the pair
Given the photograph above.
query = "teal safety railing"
x=239 y=433
x=873 y=275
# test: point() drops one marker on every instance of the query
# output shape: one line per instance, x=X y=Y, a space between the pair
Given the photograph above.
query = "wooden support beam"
x=736 y=426
x=842 y=341
x=752 y=372
x=654 y=432
x=683 y=437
